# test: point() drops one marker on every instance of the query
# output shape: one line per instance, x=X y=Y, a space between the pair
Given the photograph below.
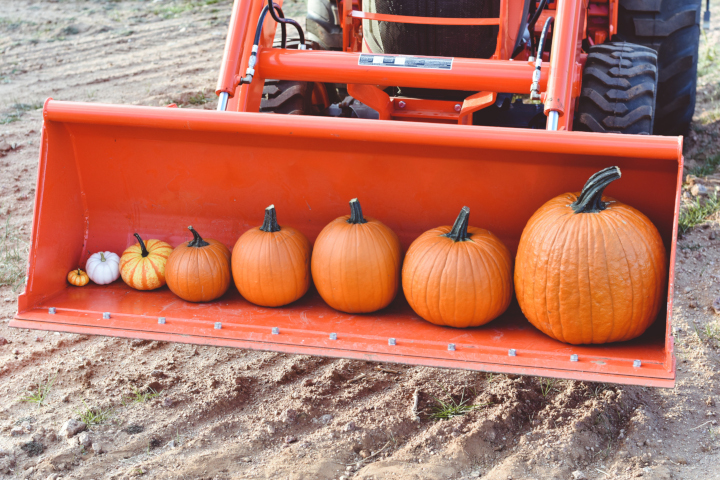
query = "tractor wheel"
x=434 y=40
x=671 y=27
x=619 y=86
x=288 y=97
x=322 y=24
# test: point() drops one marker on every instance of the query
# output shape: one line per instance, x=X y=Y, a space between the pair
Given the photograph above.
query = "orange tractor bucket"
x=108 y=171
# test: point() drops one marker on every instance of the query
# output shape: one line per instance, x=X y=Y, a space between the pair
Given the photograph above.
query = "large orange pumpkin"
x=199 y=270
x=590 y=269
x=458 y=276
x=356 y=263
x=271 y=264
x=142 y=266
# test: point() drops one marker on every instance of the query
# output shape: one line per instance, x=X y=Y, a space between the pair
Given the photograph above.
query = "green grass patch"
x=94 y=416
x=139 y=397
x=548 y=385
x=707 y=168
x=39 y=393
x=449 y=407
x=17 y=110
x=697 y=211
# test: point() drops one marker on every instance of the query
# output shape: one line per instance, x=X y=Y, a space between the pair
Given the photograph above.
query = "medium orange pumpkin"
x=590 y=269
x=142 y=266
x=458 y=276
x=78 y=278
x=271 y=264
x=199 y=270
x=356 y=263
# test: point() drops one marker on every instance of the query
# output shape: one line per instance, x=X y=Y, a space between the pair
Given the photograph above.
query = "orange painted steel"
x=343 y=67
x=230 y=67
x=423 y=20
x=218 y=171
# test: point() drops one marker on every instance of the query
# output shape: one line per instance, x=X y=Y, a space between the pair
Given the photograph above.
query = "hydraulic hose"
x=521 y=31
x=285 y=21
x=531 y=24
x=535 y=88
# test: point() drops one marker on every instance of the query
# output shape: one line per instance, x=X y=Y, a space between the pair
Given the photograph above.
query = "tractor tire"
x=286 y=97
x=322 y=24
x=619 y=87
x=432 y=40
x=672 y=28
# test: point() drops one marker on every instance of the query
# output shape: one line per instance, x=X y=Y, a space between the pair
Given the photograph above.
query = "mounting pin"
x=451 y=347
x=512 y=353
x=51 y=310
x=401 y=104
x=637 y=363
x=161 y=320
x=391 y=341
x=275 y=331
x=574 y=357
x=218 y=325
x=106 y=315
x=458 y=107
x=333 y=336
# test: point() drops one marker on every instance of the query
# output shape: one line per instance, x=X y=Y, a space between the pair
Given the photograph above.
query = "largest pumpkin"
x=590 y=269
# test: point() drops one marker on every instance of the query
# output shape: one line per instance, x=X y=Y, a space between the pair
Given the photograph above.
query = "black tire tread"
x=672 y=28
x=286 y=97
x=321 y=24
x=618 y=89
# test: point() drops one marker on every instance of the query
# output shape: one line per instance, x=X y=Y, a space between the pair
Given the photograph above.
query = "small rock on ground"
x=71 y=428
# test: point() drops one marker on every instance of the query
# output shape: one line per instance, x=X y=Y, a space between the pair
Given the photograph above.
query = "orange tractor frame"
x=108 y=171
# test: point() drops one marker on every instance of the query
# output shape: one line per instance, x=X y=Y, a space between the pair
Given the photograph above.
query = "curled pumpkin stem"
x=590 y=199
x=197 y=240
x=270 y=223
x=459 y=229
x=143 y=250
x=356 y=215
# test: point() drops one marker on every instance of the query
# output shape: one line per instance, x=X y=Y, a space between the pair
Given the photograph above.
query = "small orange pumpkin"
x=271 y=264
x=356 y=263
x=78 y=278
x=199 y=270
x=458 y=276
x=590 y=269
x=142 y=266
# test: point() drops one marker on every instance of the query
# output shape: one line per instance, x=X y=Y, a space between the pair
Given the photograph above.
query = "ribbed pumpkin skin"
x=271 y=269
x=199 y=274
x=78 y=278
x=458 y=284
x=356 y=267
x=145 y=273
x=590 y=277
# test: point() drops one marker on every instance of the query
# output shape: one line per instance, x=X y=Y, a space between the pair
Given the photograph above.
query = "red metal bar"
x=342 y=67
x=233 y=47
x=381 y=17
x=565 y=51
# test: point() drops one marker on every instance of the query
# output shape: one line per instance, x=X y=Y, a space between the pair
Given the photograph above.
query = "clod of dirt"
x=133 y=429
x=3 y=341
x=33 y=448
x=71 y=428
x=154 y=443
x=290 y=439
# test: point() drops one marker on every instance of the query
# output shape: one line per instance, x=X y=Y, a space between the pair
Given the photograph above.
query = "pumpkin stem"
x=590 y=199
x=102 y=257
x=79 y=270
x=356 y=215
x=143 y=250
x=197 y=240
x=459 y=229
x=270 y=223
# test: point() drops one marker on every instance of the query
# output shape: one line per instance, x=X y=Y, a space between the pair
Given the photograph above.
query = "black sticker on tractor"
x=436 y=63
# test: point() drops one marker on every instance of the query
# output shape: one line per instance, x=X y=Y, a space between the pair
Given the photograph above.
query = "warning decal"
x=436 y=63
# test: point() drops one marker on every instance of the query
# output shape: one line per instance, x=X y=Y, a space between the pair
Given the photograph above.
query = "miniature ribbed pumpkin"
x=199 y=270
x=458 y=276
x=590 y=269
x=356 y=263
x=271 y=264
x=142 y=266
x=78 y=278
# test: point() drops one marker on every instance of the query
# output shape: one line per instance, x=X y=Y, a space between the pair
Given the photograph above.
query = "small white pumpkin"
x=103 y=267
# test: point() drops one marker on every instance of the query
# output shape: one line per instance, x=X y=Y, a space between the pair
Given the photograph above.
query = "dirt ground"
x=228 y=413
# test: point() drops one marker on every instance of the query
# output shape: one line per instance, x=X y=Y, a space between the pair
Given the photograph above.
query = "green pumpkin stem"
x=144 y=250
x=197 y=240
x=590 y=199
x=356 y=215
x=270 y=223
x=459 y=229
x=102 y=257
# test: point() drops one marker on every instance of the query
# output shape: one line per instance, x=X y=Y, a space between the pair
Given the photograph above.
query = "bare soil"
x=228 y=413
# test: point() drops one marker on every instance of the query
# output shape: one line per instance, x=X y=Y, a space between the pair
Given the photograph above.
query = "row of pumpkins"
x=589 y=269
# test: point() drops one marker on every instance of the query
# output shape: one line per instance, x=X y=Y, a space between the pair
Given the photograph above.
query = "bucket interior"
x=102 y=179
